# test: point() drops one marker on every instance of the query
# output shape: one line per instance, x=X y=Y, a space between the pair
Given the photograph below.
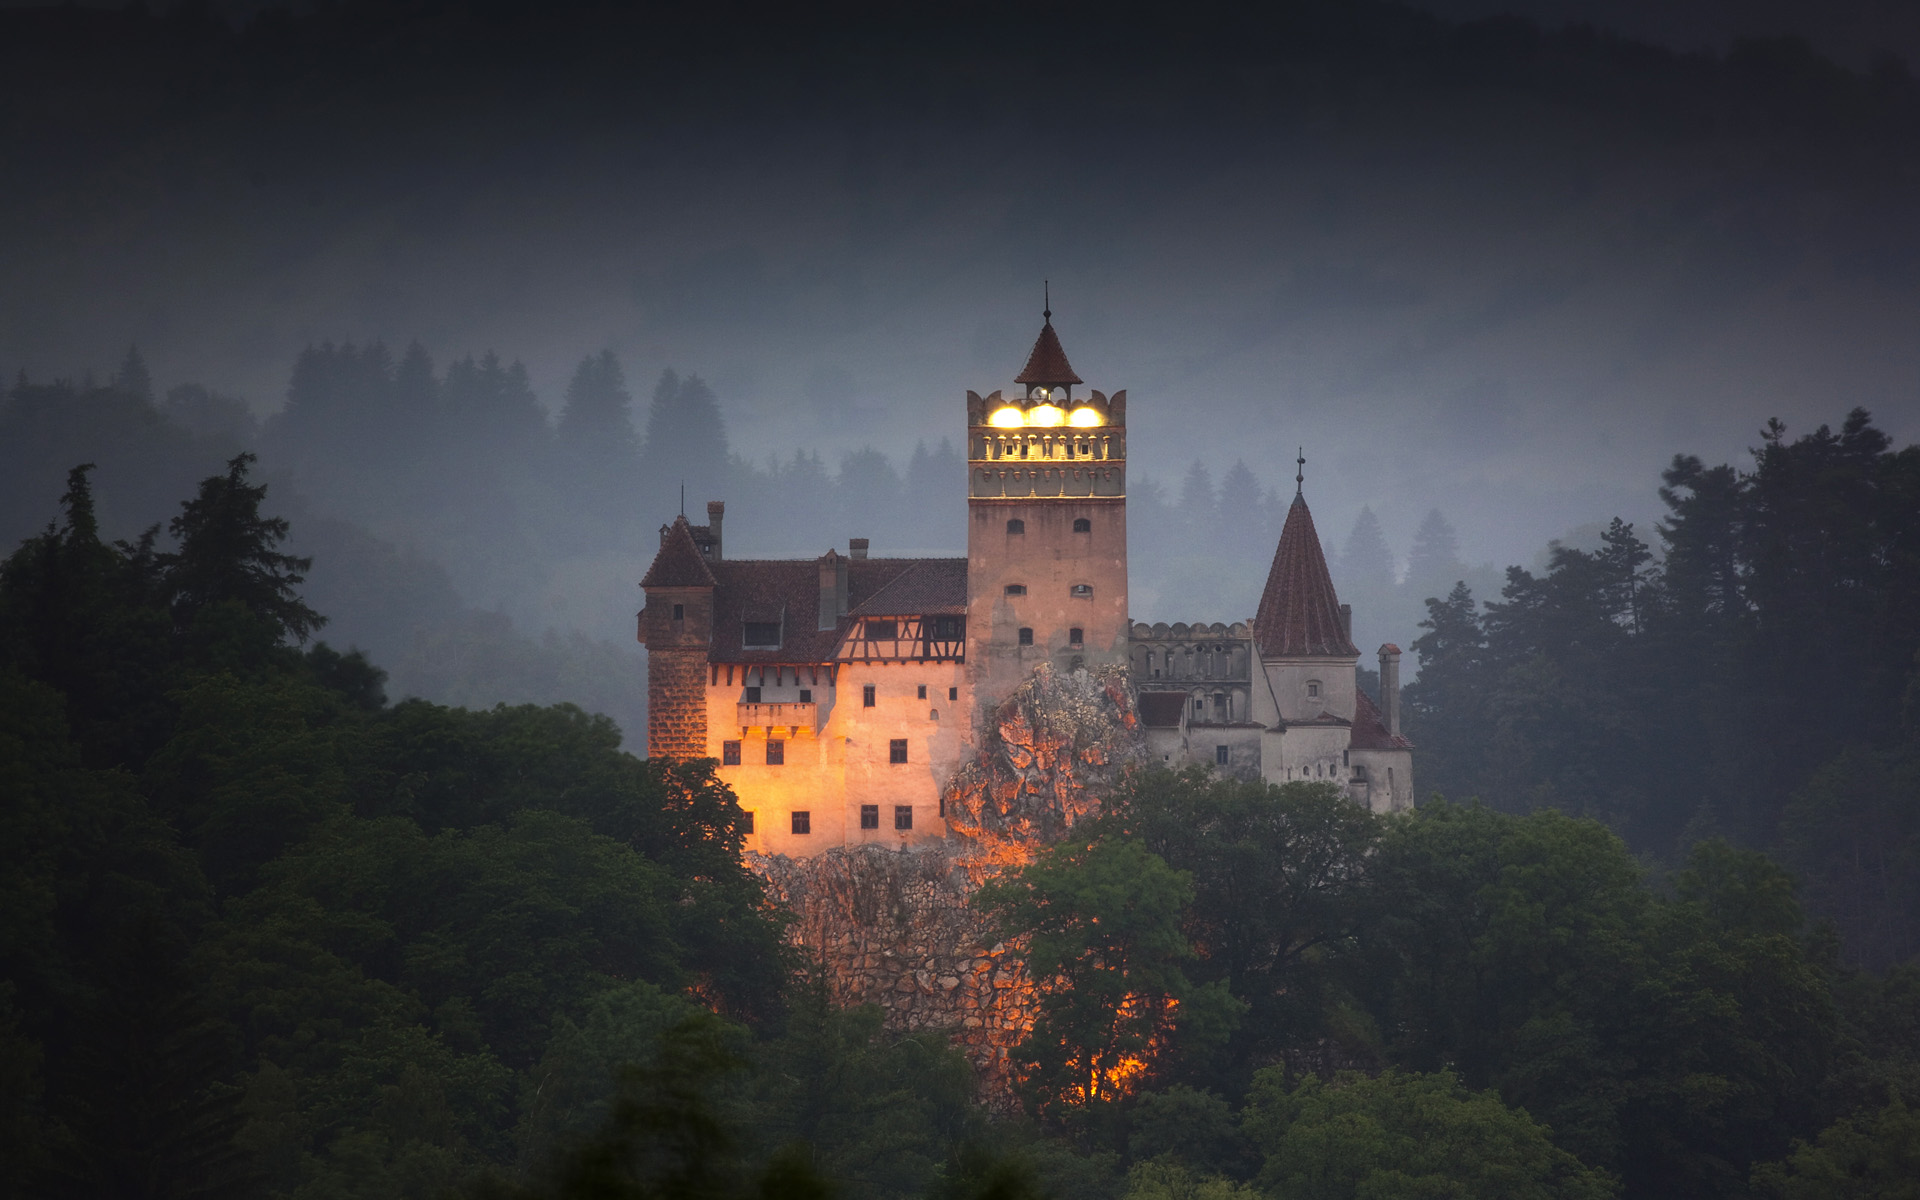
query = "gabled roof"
x=1047 y=364
x=1299 y=613
x=931 y=586
x=1370 y=728
x=679 y=563
x=750 y=588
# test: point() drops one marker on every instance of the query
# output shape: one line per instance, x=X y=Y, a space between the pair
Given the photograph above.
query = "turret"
x=676 y=627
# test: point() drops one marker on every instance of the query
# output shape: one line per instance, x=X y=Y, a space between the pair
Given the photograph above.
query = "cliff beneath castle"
x=897 y=927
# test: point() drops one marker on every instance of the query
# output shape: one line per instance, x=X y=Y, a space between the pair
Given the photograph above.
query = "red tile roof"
x=1370 y=728
x=679 y=563
x=788 y=591
x=1048 y=363
x=1162 y=710
x=929 y=586
x=1299 y=613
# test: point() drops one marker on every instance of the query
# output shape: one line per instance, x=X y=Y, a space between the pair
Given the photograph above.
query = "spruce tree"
x=227 y=555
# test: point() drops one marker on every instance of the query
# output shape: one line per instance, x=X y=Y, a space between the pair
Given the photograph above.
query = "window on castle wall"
x=923 y=692
x=1082 y=525
x=802 y=821
x=866 y=696
x=679 y=612
x=1220 y=756
x=943 y=805
x=1026 y=636
x=776 y=752
x=749 y=826
x=897 y=750
x=1081 y=591
x=953 y=693
x=806 y=695
x=869 y=816
x=903 y=816
x=1076 y=636
x=1016 y=589
x=753 y=695
x=1016 y=525
x=729 y=754
x=1313 y=689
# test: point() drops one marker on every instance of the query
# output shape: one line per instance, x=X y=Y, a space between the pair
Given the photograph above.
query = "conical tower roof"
x=1047 y=366
x=679 y=563
x=1299 y=612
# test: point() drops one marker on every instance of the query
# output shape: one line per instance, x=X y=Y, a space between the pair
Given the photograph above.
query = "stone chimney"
x=1390 y=688
x=833 y=589
x=716 y=512
x=856 y=547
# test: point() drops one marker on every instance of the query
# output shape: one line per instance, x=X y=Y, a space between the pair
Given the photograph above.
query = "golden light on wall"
x=1007 y=418
x=1085 y=417
x=1046 y=415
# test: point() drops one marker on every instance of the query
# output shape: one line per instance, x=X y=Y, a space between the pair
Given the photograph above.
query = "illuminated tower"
x=1046 y=526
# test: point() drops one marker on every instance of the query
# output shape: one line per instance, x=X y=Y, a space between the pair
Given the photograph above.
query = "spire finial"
x=683 y=498
x=1046 y=295
x=1300 y=476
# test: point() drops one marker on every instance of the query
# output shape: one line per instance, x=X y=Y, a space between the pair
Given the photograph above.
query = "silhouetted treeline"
x=1757 y=678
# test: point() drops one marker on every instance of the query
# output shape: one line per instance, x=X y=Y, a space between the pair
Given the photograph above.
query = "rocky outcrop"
x=898 y=928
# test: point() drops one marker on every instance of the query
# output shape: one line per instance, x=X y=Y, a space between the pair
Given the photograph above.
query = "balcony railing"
x=791 y=714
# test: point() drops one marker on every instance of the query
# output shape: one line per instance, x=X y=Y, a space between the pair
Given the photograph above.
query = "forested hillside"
x=266 y=934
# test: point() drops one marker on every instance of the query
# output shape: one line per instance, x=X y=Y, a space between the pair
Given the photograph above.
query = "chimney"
x=1390 y=687
x=833 y=589
x=856 y=547
x=716 y=512
x=1346 y=621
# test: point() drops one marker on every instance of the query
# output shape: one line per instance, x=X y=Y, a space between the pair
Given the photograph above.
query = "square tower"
x=1046 y=526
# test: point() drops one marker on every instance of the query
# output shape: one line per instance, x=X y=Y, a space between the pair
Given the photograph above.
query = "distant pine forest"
x=272 y=930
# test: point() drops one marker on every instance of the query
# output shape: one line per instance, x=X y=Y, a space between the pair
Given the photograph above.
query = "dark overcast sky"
x=1506 y=279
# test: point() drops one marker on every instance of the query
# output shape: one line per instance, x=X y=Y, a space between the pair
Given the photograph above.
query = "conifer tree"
x=132 y=378
x=686 y=438
x=227 y=554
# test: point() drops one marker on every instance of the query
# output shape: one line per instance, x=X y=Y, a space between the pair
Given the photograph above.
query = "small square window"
x=753 y=695
x=748 y=828
x=802 y=821
x=1082 y=525
x=897 y=750
x=923 y=691
x=869 y=816
x=1016 y=589
x=1220 y=755
x=1026 y=636
x=679 y=612
x=953 y=693
x=806 y=695
x=903 y=816
x=1076 y=635
x=866 y=696
x=1313 y=689
x=729 y=754
x=776 y=752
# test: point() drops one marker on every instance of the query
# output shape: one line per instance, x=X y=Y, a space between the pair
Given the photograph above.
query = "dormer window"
x=761 y=635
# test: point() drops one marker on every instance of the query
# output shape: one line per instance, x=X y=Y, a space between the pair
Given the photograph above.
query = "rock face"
x=897 y=928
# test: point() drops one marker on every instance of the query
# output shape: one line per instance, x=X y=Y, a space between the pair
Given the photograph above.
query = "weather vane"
x=1046 y=299
x=1300 y=476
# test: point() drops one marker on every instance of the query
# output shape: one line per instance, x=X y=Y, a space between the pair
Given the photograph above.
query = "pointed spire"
x=1299 y=613
x=679 y=563
x=1047 y=365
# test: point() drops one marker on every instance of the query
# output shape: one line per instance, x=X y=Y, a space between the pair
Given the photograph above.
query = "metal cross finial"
x=1300 y=476
x=1046 y=294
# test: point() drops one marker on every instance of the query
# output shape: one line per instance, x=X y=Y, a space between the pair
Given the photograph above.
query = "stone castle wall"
x=676 y=702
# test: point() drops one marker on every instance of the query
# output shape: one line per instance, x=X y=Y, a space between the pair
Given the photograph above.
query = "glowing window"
x=1047 y=416
x=1085 y=417
x=1007 y=418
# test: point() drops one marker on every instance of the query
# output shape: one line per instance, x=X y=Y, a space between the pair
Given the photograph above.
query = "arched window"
x=1016 y=525
x=1016 y=589
x=1082 y=525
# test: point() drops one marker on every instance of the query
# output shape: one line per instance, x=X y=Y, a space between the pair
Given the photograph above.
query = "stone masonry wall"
x=897 y=928
x=677 y=703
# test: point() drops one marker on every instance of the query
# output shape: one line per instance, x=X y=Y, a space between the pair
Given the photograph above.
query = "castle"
x=839 y=694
